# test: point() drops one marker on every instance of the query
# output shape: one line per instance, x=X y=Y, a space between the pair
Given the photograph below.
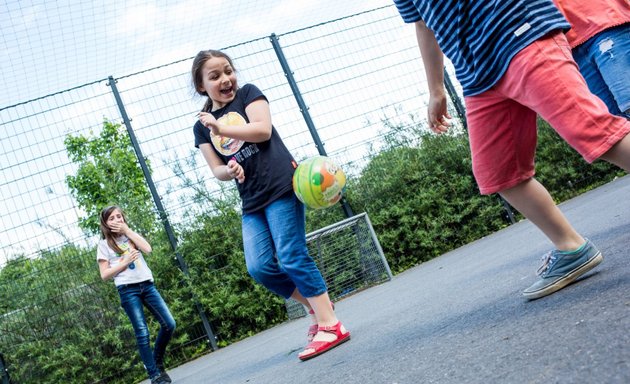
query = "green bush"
x=563 y=171
x=238 y=307
x=423 y=201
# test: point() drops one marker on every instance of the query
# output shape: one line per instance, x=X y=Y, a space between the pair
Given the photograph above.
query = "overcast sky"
x=49 y=46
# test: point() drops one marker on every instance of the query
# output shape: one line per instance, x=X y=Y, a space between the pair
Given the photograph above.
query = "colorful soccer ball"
x=318 y=182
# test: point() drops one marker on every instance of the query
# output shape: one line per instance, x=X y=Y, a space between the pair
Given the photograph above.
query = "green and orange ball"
x=318 y=182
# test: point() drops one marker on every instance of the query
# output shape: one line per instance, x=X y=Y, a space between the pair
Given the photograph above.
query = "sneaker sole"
x=568 y=279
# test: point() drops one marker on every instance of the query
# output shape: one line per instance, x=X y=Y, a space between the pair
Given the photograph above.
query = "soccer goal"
x=349 y=257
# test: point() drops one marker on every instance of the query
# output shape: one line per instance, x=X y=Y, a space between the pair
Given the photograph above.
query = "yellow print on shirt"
x=226 y=145
x=126 y=248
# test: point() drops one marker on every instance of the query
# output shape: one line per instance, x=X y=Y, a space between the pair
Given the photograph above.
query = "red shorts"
x=541 y=79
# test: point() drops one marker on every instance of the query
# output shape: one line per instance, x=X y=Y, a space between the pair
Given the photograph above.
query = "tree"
x=109 y=174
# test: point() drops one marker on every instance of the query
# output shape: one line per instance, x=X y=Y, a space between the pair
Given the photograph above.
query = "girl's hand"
x=120 y=228
x=235 y=170
x=130 y=256
x=209 y=122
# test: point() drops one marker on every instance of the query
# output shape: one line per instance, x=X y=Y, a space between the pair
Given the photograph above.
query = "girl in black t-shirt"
x=238 y=141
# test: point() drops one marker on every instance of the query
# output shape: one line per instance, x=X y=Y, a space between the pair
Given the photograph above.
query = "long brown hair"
x=197 y=76
x=106 y=232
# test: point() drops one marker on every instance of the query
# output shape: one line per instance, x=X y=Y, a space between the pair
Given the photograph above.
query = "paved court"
x=460 y=318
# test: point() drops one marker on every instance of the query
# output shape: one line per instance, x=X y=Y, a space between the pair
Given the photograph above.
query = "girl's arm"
x=257 y=130
x=433 y=60
x=139 y=241
x=221 y=171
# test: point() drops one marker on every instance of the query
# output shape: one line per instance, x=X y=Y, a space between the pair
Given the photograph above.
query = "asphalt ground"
x=461 y=318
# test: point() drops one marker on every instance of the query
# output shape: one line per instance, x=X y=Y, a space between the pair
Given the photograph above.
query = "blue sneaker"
x=562 y=268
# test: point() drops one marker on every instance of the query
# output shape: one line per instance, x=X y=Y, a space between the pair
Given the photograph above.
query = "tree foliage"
x=108 y=173
x=563 y=171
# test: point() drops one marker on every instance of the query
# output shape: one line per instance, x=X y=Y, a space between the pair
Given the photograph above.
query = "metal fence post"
x=304 y=109
x=457 y=102
x=158 y=203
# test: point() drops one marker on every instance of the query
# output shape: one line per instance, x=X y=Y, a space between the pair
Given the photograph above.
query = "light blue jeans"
x=132 y=298
x=274 y=240
x=604 y=61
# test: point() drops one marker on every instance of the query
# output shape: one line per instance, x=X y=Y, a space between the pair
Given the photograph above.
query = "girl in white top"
x=119 y=256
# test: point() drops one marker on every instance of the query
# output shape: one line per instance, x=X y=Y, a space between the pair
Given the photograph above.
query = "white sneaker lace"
x=547 y=260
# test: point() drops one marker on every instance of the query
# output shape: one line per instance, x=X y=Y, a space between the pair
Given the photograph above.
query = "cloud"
x=283 y=14
x=139 y=22
x=26 y=17
x=146 y=22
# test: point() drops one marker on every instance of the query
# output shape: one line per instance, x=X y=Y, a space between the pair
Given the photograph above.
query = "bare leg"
x=298 y=297
x=534 y=201
x=323 y=313
x=619 y=154
x=323 y=310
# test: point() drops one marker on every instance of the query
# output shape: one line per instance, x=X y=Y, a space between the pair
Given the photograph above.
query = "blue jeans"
x=274 y=240
x=132 y=299
x=604 y=61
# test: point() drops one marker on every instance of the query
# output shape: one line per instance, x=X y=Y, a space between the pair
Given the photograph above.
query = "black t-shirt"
x=268 y=166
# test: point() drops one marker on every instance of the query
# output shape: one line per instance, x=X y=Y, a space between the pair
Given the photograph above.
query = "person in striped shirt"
x=514 y=63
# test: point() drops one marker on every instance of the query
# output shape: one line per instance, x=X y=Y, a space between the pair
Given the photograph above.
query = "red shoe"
x=320 y=347
x=312 y=330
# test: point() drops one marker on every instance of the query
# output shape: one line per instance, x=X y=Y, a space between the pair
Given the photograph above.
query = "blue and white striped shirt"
x=480 y=37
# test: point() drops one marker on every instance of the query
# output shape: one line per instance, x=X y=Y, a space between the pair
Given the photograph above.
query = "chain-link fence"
x=352 y=73
x=330 y=64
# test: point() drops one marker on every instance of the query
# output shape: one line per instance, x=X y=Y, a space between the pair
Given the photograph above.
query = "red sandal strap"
x=336 y=329
x=319 y=347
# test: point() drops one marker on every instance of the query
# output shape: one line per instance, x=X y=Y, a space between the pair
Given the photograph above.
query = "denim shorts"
x=604 y=61
x=276 y=255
